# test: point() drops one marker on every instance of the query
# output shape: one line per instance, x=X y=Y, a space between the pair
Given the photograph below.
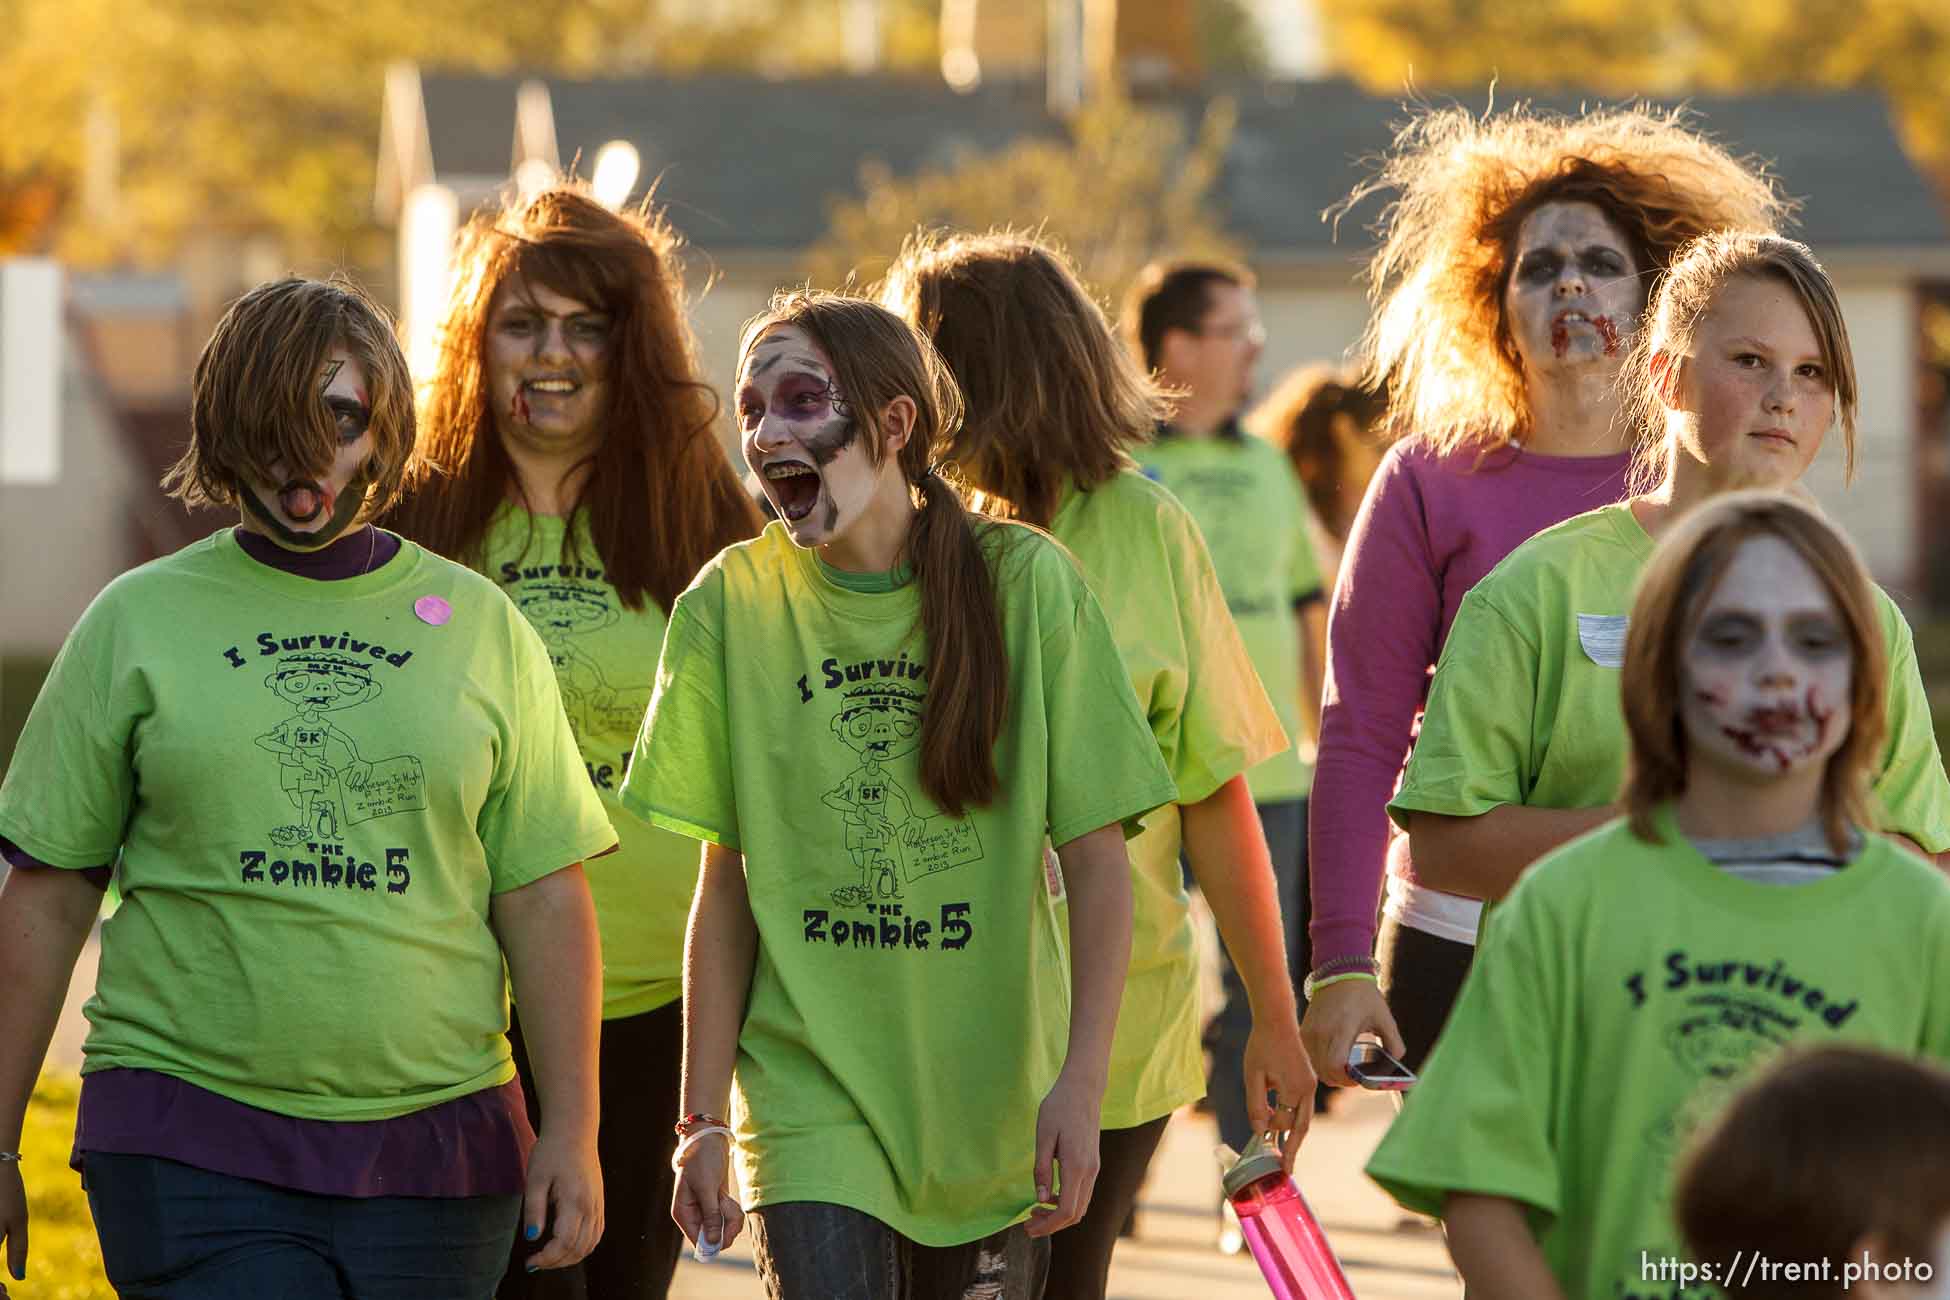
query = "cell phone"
x=1369 y=1065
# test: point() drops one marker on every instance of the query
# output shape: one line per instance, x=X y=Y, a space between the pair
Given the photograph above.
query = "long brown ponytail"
x=877 y=357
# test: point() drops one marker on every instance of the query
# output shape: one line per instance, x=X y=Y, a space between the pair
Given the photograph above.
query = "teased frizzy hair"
x=1682 y=299
x=1463 y=186
x=661 y=497
x=255 y=395
x=877 y=357
x=1672 y=594
x=1823 y=1149
x=1299 y=418
x=1173 y=295
x=1052 y=398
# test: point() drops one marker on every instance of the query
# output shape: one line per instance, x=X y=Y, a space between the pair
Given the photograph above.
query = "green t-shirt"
x=910 y=998
x=1623 y=991
x=1148 y=567
x=1250 y=507
x=605 y=657
x=1524 y=708
x=314 y=789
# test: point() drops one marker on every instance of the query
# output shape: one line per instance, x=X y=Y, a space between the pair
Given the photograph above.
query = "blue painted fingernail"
x=534 y=1231
x=534 y=1268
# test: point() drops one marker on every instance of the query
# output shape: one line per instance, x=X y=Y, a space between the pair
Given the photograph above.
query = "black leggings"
x=1079 y=1260
x=1420 y=978
x=642 y=1060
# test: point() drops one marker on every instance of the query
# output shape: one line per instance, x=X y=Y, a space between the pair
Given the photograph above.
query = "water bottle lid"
x=1260 y=1158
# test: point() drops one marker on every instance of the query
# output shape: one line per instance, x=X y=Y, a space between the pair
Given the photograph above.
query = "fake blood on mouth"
x=519 y=407
x=1560 y=338
x=1608 y=331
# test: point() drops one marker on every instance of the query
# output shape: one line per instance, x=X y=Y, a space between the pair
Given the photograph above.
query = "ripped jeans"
x=810 y=1250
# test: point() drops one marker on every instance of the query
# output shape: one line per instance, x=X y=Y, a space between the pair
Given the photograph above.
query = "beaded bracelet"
x=1311 y=986
x=697 y=1119
x=9 y=1157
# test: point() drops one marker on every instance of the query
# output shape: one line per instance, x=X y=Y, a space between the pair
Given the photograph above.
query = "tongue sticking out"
x=302 y=502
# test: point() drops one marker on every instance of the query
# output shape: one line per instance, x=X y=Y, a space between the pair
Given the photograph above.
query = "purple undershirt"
x=475 y=1145
x=1429 y=529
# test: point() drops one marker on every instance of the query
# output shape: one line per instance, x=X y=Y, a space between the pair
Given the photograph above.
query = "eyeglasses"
x=1250 y=331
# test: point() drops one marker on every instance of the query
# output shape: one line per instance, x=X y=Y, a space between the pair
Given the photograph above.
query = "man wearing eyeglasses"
x=1196 y=327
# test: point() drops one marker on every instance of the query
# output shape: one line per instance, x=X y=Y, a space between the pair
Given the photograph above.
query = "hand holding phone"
x=1370 y=1065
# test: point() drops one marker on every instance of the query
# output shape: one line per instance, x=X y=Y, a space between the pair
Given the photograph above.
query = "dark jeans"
x=1286 y=842
x=810 y=1250
x=1079 y=1255
x=171 y=1231
x=638 y=1075
x=1421 y=975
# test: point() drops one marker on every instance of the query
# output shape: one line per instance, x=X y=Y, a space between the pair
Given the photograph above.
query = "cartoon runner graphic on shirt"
x=1719 y=1043
x=562 y=612
x=890 y=841
x=330 y=784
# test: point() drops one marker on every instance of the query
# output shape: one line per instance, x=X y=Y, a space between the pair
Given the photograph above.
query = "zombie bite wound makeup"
x=802 y=437
x=302 y=512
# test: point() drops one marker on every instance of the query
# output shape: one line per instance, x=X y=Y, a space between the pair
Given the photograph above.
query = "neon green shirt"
x=1250 y=507
x=1149 y=569
x=910 y=999
x=605 y=657
x=1622 y=993
x=1524 y=708
x=314 y=791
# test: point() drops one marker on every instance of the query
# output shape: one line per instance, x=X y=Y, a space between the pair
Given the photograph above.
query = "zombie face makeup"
x=1766 y=672
x=547 y=360
x=806 y=443
x=302 y=513
x=1574 y=295
x=1755 y=396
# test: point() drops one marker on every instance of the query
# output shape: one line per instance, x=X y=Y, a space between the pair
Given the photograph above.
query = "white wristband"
x=691 y=1139
x=9 y=1157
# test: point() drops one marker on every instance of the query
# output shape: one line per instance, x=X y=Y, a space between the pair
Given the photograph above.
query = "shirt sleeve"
x=680 y=773
x=541 y=813
x=70 y=786
x=1225 y=722
x=1306 y=565
x=1382 y=634
x=1911 y=787
x=1481 y=1118
x=1103 y=765
x=1474 y=750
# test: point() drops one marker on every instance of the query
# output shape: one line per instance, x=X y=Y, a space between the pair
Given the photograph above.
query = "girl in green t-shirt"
x=579 y=470
x=1055 y=404
x=1741 y=370
x=1633 y=978
x=876 y=715
x=330 y=775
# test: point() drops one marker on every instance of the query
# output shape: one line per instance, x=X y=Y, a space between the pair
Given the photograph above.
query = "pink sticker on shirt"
x=433 y=609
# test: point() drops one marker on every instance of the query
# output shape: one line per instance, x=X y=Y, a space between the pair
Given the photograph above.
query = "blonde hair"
x=1687 y=566
x=1052 y=399
x=1463 y=186
x=1685 y=295
x=255 y=400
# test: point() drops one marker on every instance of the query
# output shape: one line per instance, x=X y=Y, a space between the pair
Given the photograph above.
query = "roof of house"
x=748 y=164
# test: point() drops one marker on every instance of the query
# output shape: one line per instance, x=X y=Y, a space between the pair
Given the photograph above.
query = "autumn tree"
x=128 y=125
x=1127 y=183
x=1658 y=47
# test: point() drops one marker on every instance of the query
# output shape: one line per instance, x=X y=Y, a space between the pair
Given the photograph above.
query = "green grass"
x=63 y=1262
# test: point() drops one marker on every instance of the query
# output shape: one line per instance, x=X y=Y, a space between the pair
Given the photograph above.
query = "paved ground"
x=1172 y=1257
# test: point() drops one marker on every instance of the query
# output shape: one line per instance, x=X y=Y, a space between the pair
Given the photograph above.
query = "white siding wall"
x=1879 y=509
x=61 y=542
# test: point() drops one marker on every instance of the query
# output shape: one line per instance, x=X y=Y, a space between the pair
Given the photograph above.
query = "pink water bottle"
x=1279 y=1228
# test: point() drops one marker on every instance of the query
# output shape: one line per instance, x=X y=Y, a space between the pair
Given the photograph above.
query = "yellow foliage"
x=65 y=1262
x=1129 y=184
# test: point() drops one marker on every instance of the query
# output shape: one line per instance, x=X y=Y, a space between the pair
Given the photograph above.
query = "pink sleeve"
x=1382 y=633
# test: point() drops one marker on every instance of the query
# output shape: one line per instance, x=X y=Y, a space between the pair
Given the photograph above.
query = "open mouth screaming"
x=304 y=500
x=794 y=486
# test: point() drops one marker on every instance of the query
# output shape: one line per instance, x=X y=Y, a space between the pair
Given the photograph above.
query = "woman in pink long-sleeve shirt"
x=1513 y=266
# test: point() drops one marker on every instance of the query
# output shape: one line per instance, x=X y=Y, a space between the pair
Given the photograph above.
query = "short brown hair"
x=876 y=357
x=1051 y=397
x=1675 y=584
x=255 y=393
x=1463 y=186
x=1173 y=296
x=1824 y=1148
x=1685 y=295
